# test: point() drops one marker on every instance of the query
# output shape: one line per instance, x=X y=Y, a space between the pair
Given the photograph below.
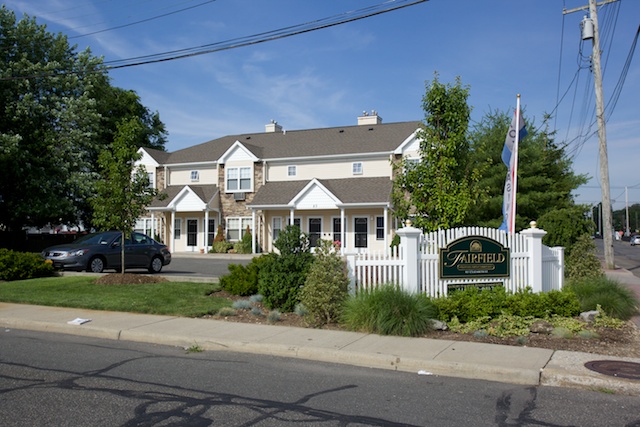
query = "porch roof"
x=208 y=194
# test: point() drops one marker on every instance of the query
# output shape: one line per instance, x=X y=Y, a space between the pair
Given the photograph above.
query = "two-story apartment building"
x=334 y=183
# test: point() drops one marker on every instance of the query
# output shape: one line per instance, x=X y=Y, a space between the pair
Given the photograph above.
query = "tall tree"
x=47 y=124
x=436 y=191
x=123 y=191
x=58 y=111
x=545 y=177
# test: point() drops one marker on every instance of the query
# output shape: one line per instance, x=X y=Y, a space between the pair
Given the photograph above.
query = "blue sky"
x=328 y=77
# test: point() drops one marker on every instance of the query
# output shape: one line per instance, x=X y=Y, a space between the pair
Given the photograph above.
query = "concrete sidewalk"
x=518 y=365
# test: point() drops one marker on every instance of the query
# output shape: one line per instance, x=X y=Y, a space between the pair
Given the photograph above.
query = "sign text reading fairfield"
x=474 y=256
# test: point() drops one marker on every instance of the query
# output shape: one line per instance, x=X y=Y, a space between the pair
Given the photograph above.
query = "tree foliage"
x=545 y=177
x=123 y=191
x=436 y=191
x=47 y=124
x=58 y=112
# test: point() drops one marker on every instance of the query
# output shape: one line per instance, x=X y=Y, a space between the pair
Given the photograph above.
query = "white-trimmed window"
x=379 y=228
x=337 y=230
x=211 y=232
x=239 y=179
x=143 y=225
x=360 y=232
x=195 y=176
x=237 y=226
x=277 y=227
x=292 y=170
x=150 y=176
x=177 y=228
x=357 y=168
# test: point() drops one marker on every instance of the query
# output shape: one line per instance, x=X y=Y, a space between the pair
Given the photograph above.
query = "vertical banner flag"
x=510 y=158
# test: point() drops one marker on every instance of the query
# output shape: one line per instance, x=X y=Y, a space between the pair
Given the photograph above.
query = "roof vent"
x=369 y=118
x=273 y=127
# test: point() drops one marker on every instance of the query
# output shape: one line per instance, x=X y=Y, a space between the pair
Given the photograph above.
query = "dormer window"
x=195 y=176
x=238 y=179
x=291 y=171
x=357 y=168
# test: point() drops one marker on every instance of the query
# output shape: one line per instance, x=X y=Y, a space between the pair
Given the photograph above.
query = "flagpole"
x=512 y=218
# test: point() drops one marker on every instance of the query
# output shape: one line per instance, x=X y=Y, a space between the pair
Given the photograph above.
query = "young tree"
x=123 y=192
x=545 y=177
x=437 y=190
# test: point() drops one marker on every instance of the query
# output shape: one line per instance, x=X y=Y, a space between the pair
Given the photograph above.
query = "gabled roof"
x=206 y=193
x=159 y=156
x=336 y=141
x=348 y=191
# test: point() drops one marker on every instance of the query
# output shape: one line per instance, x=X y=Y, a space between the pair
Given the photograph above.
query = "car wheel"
x=96 y=265
x=156 y=265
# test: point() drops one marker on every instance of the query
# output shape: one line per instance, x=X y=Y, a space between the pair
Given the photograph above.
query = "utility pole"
x=607 y=233
x=626 y=204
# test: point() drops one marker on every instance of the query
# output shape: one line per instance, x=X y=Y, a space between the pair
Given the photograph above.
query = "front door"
x=192 y=234
x=315 y=231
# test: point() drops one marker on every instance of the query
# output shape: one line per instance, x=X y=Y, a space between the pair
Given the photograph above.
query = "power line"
x=319 y=24
x=143 y=20
x=343 y=18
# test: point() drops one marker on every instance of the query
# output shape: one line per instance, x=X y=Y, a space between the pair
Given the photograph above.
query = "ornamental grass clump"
x=388 y=310
x=615 y=299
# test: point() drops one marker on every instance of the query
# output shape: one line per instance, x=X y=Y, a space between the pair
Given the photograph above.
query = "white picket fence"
x=414 y=265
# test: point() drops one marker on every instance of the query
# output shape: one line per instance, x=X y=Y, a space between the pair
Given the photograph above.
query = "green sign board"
x=474 y=256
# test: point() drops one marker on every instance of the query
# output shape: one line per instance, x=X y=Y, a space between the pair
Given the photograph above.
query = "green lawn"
x=170 y=298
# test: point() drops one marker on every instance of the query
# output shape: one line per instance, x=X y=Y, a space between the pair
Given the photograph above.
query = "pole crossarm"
x=578 y=9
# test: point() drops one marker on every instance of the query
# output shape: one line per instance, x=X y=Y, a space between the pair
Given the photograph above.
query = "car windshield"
x=93 y=239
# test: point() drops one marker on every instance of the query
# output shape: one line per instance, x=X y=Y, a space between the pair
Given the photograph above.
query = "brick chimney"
x=369 y=118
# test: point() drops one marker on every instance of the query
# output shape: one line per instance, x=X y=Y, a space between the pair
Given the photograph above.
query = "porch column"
x=206 y=230
x=172 y=231
x=291 y=218
x=385 y=225
x=153 y=225
x=255 y=231
x=343 y=235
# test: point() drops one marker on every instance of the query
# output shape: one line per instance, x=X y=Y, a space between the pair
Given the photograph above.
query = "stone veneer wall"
x=229 y=207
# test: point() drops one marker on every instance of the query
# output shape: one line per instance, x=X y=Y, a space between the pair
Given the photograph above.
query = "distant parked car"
x=635 y=240
x=100 y=251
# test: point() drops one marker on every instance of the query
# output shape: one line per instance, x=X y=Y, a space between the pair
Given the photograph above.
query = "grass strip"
x=184 y=299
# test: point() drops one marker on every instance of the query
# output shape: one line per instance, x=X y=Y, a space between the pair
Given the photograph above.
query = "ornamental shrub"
x=471 y=304
x=326 y=286
x=244 y=245
x=23 y=265
x=283 y=275
x=583 y=261
x=219 y=235
x=243 y=280
x=221 y=247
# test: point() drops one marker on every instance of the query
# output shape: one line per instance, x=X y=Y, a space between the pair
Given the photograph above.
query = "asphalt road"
x=201 y=266
x=625 y=255
x=63 y=380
